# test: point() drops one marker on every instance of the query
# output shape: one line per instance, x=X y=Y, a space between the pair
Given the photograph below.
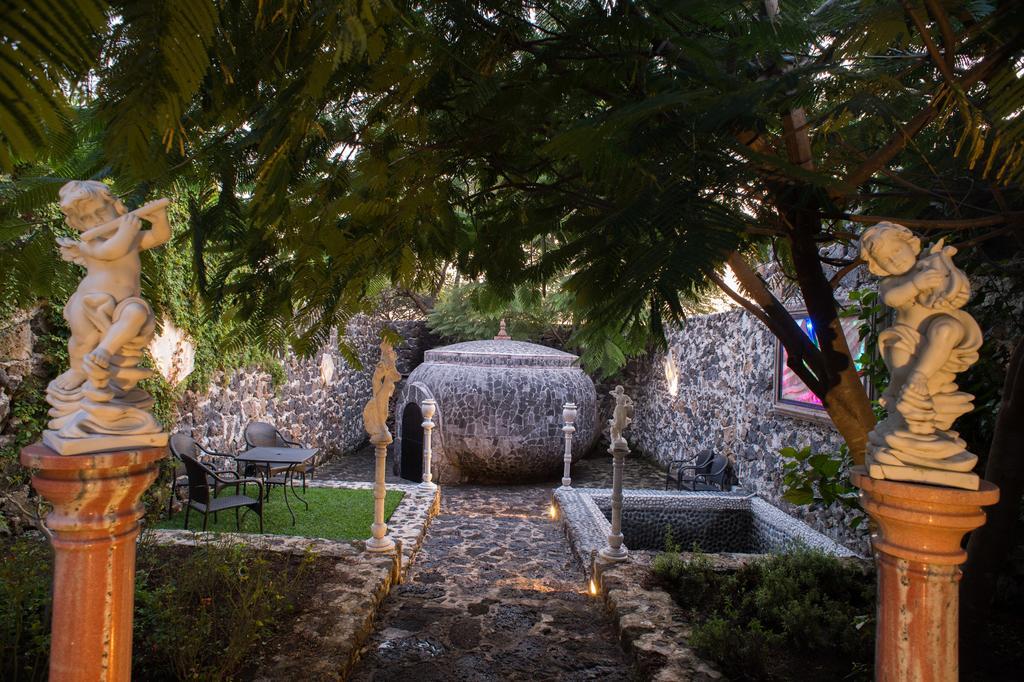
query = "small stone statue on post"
x=427 y=409
x=918 y=485
x=568 y=419
x=622 y=417
x=931 y=340
x=96 y=404
x=375 y=417
x=103 y=445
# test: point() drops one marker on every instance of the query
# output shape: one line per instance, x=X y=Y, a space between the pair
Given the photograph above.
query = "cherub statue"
x=622 y=416
x=929 y=343
x=385 y=376
x=96 y=404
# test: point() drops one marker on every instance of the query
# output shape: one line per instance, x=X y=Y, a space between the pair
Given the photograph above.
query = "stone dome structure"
x=499 y=412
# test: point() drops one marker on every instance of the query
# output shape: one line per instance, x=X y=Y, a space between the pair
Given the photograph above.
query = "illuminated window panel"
x=791 y=395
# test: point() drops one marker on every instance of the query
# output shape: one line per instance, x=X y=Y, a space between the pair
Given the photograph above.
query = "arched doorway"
x=412 y=443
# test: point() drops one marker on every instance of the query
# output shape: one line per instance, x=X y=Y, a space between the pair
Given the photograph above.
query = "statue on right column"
x=930 y=341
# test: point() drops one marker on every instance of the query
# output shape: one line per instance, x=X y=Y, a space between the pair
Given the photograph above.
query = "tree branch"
x=895 y=145
x=945 y=68
x=925 y=224
x=949 y=41
x=799 y=347
x=794 y=358
x=744 y=303
x=843 y=272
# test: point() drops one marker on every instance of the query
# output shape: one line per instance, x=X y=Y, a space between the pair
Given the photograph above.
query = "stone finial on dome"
x=502 y=334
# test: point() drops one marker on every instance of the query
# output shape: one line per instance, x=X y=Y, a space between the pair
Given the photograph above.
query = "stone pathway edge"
x=651 y=627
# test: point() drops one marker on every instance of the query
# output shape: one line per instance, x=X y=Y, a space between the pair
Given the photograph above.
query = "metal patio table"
x=269 y=458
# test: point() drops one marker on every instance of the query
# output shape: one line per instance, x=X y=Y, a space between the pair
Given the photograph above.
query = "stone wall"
x=320 y=402
x=18 y=361
x=723 y=403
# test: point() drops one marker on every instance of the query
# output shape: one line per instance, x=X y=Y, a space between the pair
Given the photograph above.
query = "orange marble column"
x=95 y=521
x=918 y=556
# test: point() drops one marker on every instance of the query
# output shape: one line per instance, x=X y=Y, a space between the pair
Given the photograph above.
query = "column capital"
x=920 y=522
x=383 y=438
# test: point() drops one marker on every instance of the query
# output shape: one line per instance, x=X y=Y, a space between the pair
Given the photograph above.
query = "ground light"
x=593 y=588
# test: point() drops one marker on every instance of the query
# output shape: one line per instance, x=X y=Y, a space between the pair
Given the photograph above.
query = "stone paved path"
x=495 y=593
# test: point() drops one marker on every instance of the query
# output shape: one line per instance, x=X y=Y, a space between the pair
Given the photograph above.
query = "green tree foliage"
x=353 y=144
x=468 y=312
x=646 y=137
x=46 y=49
x=248 y=104
x=350 y=145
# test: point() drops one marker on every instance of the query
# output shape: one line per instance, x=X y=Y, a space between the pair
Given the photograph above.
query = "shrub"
x=804 y=611
x=201 y=613
x=199 y=617
x=25 y=579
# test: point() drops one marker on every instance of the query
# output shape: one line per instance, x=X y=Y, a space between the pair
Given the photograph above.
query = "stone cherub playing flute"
x=930 y=341
x=96 y=404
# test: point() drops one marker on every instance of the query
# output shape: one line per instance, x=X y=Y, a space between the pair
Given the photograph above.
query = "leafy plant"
x=820 y=478
x=28 y=403
x=866 y=307
x=200 y=612
x=801 y=614
x=201 y=616
x=695 y=575
x=473 y=310
x=25 y=583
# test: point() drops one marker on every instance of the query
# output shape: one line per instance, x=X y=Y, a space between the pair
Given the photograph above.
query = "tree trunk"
x=844 y=395
x=829 y=373
x=992 y=543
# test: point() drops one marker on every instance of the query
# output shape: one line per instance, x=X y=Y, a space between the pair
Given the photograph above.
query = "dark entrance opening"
x=412 y=443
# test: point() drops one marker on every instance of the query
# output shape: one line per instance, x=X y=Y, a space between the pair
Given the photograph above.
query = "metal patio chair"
x=184 y=444
x=719 y=476
x=200 y=498
x=687 y=474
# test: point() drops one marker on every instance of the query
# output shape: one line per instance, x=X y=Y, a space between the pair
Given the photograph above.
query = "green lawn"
x=334 y=513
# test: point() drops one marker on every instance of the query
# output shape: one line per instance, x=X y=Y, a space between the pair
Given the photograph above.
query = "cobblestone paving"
x=356 y=466
x=638 y=472
x=495 y=593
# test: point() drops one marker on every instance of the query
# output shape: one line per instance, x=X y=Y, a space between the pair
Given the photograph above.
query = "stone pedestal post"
x=428 y=408
x=918 y=555
x=95 y=521
x=615 y=551
x=568 y=418
x=380 y=542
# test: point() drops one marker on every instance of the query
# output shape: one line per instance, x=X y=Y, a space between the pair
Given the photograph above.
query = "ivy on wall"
x=29 y=408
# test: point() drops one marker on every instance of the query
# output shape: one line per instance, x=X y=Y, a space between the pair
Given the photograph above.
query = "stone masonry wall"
x=18 y=361
x=724 y=404
x=318 y=414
